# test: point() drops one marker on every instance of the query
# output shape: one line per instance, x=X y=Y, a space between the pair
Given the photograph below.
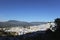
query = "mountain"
x=14 y=23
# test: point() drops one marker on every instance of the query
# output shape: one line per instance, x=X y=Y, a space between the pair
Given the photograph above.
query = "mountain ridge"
x=14 y=23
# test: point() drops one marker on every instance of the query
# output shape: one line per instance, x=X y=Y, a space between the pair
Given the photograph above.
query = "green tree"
x=57 y=23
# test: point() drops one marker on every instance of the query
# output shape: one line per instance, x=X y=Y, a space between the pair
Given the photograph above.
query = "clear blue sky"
x=29 y=10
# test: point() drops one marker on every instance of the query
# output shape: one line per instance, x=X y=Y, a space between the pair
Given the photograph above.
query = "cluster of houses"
x=21 y=30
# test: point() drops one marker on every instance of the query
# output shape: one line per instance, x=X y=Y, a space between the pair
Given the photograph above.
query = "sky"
x=29 y=10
